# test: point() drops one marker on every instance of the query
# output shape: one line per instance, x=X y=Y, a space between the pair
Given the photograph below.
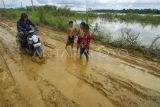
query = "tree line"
x=138 y=11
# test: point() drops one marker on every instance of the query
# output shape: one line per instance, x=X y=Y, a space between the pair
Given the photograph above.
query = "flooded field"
x=63 y=80
x=147 y=32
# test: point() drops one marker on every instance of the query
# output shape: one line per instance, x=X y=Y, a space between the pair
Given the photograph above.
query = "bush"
x=128 y=40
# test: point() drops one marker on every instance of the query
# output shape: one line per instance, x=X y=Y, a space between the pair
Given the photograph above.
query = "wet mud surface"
x=63 y=80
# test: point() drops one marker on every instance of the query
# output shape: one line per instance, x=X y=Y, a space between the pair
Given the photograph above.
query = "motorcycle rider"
x=24 y=24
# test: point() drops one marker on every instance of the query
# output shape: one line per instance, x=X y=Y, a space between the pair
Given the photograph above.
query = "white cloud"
x=82 y=4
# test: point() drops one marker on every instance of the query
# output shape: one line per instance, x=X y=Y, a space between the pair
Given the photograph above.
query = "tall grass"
x=127 y=40
x=155 y=47
x=48 y=15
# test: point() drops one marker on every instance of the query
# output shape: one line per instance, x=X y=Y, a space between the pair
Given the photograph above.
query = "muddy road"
x=110 y=79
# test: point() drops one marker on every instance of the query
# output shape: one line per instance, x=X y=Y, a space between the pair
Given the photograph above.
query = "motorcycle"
x=33 y=45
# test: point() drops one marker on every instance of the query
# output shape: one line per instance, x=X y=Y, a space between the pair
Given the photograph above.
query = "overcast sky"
x=82 y=4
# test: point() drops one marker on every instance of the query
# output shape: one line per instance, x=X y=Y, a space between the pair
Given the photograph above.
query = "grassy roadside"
x=48 y=15
x=51 y=16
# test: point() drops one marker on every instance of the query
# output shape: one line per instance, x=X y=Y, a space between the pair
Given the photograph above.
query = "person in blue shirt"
x=24 y=24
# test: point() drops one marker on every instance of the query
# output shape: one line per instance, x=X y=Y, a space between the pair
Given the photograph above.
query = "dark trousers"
x=23 y=40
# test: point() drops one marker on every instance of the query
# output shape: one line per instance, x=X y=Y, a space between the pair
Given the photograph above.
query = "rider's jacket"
x=24 y=25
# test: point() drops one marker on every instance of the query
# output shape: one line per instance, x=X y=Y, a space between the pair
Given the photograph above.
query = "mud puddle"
x=57 y=71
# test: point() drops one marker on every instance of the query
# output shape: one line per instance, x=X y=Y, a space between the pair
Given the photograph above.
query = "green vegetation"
x=48 y=15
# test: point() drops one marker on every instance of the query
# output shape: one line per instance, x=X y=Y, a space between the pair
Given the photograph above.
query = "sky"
x=83 y=4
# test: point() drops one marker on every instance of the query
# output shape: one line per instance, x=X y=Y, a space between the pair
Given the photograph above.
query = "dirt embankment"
x=108 y=80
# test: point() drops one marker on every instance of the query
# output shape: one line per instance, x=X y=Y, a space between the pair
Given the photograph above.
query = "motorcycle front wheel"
x=38 y=52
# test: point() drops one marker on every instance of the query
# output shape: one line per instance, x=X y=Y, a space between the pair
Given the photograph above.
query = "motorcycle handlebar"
x=31 y=31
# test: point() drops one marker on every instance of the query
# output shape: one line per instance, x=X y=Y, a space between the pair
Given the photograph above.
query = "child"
x=80 y=35
x=71 y=34
x=85 y=43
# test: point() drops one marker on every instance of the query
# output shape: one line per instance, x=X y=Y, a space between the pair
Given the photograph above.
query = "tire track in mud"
x=122 y=92
x=52 y=97
x=8 y=71
x=153 y=67
x=9 y=93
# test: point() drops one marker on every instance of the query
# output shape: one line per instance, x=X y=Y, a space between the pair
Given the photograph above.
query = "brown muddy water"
x=64 y=80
